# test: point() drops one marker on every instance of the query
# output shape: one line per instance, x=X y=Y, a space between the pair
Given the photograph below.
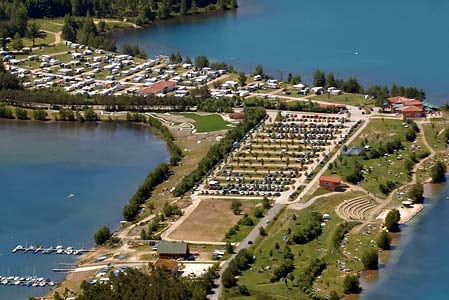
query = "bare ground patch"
x=209 y=221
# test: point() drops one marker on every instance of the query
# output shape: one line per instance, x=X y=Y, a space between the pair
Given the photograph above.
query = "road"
x=252 y=236
x=356 y=114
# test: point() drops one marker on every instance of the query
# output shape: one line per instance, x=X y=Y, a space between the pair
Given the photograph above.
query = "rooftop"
x=158 y=87
x=333 y=179
x=172 y=248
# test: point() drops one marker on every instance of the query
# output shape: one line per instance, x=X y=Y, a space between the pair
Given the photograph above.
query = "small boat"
x=356 y=53
x=18 y=248
x=59 y=249
x=70 y=195
x=47 y=251
x=69 y=251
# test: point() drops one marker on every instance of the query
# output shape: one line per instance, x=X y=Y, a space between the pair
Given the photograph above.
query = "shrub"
x=351 y=285
x=370 y=259
x=102 y=235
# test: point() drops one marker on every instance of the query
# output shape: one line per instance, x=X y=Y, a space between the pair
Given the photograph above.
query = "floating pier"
x=50 y=250
x=27 y=281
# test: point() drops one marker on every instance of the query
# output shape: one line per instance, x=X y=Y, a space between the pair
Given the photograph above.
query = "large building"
x=409 y=108
x=160 y=87
x=173 y=250
x=330 y=183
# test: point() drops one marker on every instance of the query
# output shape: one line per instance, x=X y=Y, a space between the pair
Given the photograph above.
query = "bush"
x=438 y=172
x=102 y=235
x=392 y=220
x=416 y=193
x=383 y=240
x=351 y=285
x=308 y=230
x=370 y=259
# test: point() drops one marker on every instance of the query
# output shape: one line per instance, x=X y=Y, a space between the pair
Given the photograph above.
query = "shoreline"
x=369 y=278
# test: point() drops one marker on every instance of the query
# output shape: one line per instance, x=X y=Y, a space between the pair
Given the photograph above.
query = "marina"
x=50 y=250
x=27 y=281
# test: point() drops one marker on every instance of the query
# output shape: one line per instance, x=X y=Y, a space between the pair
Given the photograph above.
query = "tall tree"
x=17 y=42
x=34 y=32
x=319 y=78
x=183 y=10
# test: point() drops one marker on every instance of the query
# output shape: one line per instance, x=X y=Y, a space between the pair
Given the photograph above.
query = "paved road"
x=252 y=236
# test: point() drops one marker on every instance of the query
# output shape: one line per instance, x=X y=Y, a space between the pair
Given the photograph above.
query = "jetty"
x=28 y=281
x=49 y=250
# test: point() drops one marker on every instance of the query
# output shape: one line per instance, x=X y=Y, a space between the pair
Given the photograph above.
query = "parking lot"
x=276 y=157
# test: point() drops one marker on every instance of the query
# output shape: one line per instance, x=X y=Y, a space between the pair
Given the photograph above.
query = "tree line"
x=159 y=174
x=134 y=284
x=218 y=151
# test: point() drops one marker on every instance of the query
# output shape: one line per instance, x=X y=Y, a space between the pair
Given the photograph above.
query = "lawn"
x=389 y=167
x=210 y=220
x=435 y=134
x=53 y=25
x=257 y=279
x=207 y=123
x=348 y=99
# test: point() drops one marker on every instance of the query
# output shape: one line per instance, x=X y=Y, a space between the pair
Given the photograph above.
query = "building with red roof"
x=413 y=111
x=160 y=87
x=410 y=108
x=330 y=183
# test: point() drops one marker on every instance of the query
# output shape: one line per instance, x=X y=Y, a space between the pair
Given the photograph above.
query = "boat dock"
x=27 y=281
x=50 y=250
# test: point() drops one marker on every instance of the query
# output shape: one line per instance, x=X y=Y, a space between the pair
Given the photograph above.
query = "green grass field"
x=389 y=167
x=349 y=99
x=435 y=134
x=257 y=279
x=53 y=25
x=207 y=123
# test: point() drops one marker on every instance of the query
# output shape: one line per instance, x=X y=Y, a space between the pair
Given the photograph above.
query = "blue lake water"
x=418 y=268
x=397 y=41
x=42 y=163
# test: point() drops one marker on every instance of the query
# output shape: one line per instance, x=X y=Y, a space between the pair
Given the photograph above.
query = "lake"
x=41 y=164
x=397 y=41
x=419 y=267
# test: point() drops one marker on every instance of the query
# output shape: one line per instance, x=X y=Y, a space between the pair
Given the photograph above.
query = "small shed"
x=330 y=183
x=170 y=250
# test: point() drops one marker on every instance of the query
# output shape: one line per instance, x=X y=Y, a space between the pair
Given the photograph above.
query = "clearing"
x=210 y=221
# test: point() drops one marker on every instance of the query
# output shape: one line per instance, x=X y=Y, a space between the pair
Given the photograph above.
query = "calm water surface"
x=419 y=267
x=397 y=41
x=40 y=164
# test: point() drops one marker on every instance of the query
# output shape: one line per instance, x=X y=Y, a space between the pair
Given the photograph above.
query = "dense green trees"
x=84 y=31
x=133 y=51
x=351 y=285
x=253 y=115
x=241 y=262
x=392 y=220
x=21 y=113
x=6 y=112
x=416 y=193
x=201 y=61
x=236 y=206
x=383 y=240
x=309 y=274
x=160 y=285
x=102 y=235
x=308 y=229
x=319 y=78
x=34 y=32
x=370 y=259
x=159 y=175
x=408 y=92
x=40 y=115
x=8 y=81
x=438 y=172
